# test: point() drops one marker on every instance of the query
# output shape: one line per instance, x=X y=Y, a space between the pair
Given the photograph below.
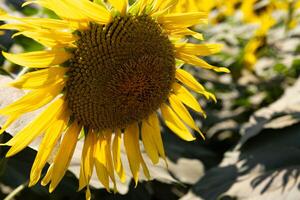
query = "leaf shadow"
x=266 y=164
x=277 y=152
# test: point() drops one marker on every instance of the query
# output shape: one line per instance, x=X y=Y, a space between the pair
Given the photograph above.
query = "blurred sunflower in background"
x=106 y=72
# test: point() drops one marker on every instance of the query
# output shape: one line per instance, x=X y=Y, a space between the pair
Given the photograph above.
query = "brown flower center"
x=120 y=73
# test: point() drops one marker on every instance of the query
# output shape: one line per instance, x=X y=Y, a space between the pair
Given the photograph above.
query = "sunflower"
x=193 y=5
x=106 y=72
x=258 y=40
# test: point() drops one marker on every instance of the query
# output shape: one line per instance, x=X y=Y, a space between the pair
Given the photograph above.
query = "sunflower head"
x=107 y=71
x=120 y=73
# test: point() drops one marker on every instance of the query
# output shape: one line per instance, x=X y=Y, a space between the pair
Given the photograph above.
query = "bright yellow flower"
x=227 y=7
x=193 y=5
x=250 y=57
x=285 y=4
x=266 y=23
x=223 y=9
x=258 y=40
x=247 y=9
x=253 y=12
x=107 y=70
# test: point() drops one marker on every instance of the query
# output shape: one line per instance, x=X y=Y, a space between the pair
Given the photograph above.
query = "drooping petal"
x=194 y=60
x=183 y=113
x=188 y=79
x=174 y=20
x=198 y=49
x=186 y=32
x=187 y=98
x=64 y=154
x=109 y=161
x=145 y=168
x=35 y=128
x=100 y=163
x=175 y=124
x=135 y=159
x=87 y=159
x=48 y=143
x=47 y=177
x=149 y=143
x=39 y=59
x=88 y=193
x=156 y=134
x=8 y=122
x=116 y=149
x=131 y=143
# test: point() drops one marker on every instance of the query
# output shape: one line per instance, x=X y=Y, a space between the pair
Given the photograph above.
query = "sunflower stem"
x=16 y=191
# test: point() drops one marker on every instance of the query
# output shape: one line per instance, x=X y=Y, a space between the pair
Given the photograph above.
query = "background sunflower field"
x=252 y=146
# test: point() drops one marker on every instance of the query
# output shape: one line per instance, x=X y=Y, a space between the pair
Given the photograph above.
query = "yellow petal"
x=33 y=100
x=145 y=168
x=187 y=98
x=64 y=154
x=87 y=160
x=23 y=23
x=88 y=193
x=187 y=79
x=175 y=124
x=35 y=128
x=198 y=49
x=120 y=5
x=50 y=38
x=17 y=26
x=183 y=113
x=131 y=142
x=49 y=141
x=185 y=32
x=48 y=176
x=149 y=143
x=54 y=24
x=194 y=60
x=8 y=122
x=156 y=134
x=162 y=6
x=39 y=59
x=39 y=79
x=100 y=163
x=116 y=149
x=92 y=11
x=107 y=149
x=61 y=8
x=138 y=151
x=158 y=4
x=135 y=8
x=182 y=19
